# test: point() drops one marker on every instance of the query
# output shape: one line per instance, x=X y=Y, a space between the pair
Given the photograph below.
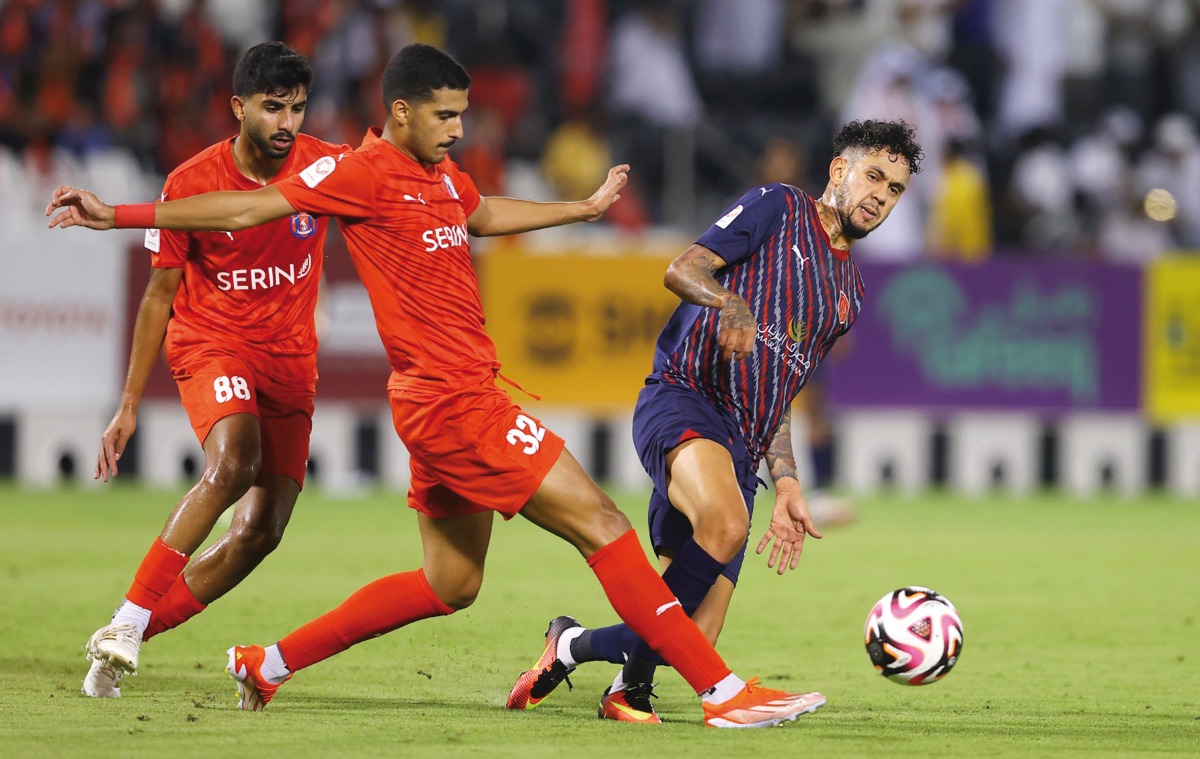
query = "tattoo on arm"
x=780 y=459
x=690 y=276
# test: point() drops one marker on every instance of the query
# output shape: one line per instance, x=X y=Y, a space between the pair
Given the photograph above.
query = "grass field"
x=1079 y=619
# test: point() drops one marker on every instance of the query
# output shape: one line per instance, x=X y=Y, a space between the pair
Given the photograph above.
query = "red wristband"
x=134 y=216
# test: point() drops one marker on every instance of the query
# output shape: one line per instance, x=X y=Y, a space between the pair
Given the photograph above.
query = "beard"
x=263 y=143
x=851 y=228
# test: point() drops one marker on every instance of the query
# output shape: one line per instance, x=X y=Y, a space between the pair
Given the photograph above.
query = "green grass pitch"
x=1080 y=620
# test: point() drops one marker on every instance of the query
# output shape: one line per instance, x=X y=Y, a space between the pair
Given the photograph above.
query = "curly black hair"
x=896 y=137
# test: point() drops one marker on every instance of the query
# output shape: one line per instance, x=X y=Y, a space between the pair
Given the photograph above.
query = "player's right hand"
x=112 y=445
x=79 y=208
x=737 y=329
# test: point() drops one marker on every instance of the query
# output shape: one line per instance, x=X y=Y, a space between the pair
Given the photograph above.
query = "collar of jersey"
x=374 y=139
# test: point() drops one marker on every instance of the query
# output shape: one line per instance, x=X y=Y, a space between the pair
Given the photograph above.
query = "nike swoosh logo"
x=632 y=713
x=664 y=607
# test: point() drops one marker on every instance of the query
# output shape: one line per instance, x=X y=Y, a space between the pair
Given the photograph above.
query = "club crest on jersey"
x=450 y=186
x=303 y=225
x=797 y=330
x=843 y=306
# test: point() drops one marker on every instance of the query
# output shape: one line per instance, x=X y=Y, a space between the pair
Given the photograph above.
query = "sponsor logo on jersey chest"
x=445 y=237
x=263 y=278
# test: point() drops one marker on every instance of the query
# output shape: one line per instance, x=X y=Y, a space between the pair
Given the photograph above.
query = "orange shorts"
x=216 y=382
x=471 y=448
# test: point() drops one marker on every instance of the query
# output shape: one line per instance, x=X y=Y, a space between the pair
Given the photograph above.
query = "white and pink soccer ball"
x=914 y=636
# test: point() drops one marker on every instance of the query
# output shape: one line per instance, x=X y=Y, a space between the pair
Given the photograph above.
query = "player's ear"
x=238 y=105
x=401 y=111
x=838 y=168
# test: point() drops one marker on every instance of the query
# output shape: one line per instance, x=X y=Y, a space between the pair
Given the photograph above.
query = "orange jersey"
x=256 y=287
x=405 y=226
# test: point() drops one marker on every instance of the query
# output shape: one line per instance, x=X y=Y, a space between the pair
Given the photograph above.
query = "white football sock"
x=131 y=613
x=273 y=667
x=723 y=690
x=618 y=682
x=563 y=652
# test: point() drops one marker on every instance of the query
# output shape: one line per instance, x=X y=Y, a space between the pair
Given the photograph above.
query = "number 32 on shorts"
x=528 y=432
x=228 y=388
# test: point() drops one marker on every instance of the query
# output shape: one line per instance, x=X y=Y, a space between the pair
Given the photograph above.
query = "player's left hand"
x=79 y=208
x=608 y=193
x=790 y=525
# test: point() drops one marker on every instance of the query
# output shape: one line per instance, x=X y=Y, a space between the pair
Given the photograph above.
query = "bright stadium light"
x=1159 y=205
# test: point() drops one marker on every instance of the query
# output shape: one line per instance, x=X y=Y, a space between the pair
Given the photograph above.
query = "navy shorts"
x=665 y=416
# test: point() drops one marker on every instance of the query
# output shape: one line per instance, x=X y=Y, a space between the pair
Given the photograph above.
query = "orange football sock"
x=177 y=606
x=373 y=610
x=155 y=575
x=642 y=600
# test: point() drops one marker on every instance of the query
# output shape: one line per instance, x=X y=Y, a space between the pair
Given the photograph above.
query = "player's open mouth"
x=282 y=142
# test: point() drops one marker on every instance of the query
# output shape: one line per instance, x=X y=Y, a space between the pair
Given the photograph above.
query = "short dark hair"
x=897 y=137
x=417 y=70
x=272 y=68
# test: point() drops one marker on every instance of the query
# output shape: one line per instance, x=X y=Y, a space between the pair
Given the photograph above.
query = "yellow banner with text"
x=1172 y=339
x=578 y=328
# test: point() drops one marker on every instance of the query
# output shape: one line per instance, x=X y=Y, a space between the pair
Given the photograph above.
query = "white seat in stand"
x=1103 y=450
x=1183 y=459
x=990 y=451
x=165 y=443
x=882 y=448
x=45 y=437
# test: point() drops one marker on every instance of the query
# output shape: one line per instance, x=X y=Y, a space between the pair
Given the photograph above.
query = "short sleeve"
x=746 y=225
x=341 y=186
x=168 y=249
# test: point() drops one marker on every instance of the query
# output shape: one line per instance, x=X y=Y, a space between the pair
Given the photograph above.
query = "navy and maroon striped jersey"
x=803 y=293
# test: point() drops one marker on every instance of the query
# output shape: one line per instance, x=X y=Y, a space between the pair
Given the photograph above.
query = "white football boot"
x=101 y=681
x=116 y=644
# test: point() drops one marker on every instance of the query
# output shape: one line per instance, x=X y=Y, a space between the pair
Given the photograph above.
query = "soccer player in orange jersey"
x=236 y=313
x=406 y=210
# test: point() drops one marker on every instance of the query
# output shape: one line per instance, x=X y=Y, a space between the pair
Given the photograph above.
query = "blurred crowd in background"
x=1051 y=127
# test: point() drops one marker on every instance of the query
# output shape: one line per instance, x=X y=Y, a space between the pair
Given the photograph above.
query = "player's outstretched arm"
x=510 y=216
x=690 y=276
x=148 y=333
x=210 y=212
x=790 y=520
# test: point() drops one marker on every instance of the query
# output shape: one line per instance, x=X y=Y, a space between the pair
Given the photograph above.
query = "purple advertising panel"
x=1047 y=336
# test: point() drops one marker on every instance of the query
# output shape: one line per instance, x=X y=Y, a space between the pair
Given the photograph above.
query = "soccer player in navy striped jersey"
x=765 y=291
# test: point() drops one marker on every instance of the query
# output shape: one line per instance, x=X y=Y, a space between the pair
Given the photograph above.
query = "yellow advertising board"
x=1172 y=339
x=577 y=328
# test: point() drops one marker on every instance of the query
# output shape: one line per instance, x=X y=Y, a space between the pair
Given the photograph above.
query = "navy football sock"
x=608 y=644
x=691 y=575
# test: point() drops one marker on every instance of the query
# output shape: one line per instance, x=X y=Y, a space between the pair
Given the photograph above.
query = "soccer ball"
x=914 y=636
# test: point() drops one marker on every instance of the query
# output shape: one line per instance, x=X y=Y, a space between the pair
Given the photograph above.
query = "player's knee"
x=233 y=475
x=611 y=522
x=459 y=594
x=723 y=535
x=255 y=539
